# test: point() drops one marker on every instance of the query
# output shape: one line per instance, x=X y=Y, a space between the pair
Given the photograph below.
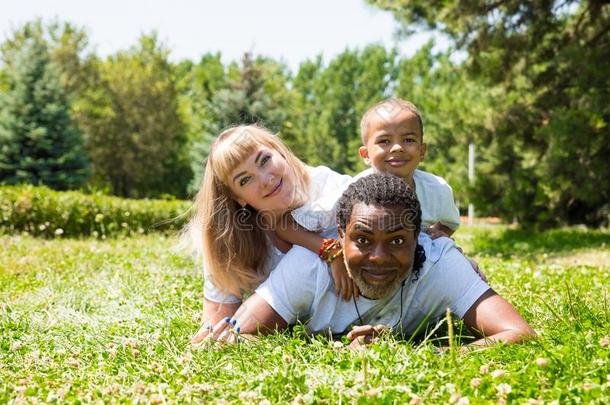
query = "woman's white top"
x=317 y=214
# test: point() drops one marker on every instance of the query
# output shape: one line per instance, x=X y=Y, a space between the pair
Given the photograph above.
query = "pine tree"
x=37 y=142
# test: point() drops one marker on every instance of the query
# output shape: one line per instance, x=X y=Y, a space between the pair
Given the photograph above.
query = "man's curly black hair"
x=385 y=190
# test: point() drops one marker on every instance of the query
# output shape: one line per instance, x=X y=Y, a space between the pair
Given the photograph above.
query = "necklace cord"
x=402 y=287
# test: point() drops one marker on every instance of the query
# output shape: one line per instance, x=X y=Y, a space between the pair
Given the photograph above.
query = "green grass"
x=90 y=320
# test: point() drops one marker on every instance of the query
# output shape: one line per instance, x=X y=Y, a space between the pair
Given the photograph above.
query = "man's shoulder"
x=434 y=248
x=300 y=261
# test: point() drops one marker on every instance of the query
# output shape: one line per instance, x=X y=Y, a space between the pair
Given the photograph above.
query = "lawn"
x=90 y=320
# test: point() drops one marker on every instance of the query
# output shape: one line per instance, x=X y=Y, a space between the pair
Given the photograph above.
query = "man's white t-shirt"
x=301 y=289
x=318 y=214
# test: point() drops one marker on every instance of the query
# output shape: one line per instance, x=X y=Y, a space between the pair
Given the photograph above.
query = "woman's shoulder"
x=323 y=174
x=326 y=184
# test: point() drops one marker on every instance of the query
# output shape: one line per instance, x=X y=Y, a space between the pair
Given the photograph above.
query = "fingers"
x=358 y=331
x=201 y=334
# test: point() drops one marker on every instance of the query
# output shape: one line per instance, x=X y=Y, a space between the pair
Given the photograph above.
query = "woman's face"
x=264 y=181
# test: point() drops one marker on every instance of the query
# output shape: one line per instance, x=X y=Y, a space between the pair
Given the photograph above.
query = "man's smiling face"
x=379 y=247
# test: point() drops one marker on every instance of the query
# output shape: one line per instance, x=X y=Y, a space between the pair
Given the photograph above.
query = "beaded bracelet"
x=325 y=250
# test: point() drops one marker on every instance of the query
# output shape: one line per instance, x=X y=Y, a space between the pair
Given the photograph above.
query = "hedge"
x=39 y=211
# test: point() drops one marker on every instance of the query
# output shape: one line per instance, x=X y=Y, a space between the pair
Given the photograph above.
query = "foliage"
x=135 y=136
x=544 y=156
x=110 y=321
x=329 y=101
x=38 y=143
x=531 y=93
x=255 y=93
x=39 y=211
x=67 y=45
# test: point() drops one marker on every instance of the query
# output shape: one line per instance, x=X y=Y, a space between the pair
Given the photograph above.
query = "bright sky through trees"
x=287 y=30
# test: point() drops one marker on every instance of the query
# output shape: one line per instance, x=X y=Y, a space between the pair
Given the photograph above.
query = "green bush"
x=40 y=211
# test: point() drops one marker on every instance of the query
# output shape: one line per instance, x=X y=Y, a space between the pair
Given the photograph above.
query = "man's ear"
x=341 y=233
x=242 y=203
x=364 y=154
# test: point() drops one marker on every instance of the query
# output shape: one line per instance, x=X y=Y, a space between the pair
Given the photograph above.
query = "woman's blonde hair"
x=234 y=246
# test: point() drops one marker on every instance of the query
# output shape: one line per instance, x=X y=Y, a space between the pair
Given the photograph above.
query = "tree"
x=67 y=45
x=544 y=160
x=330 y=101
x=255 y=93
x=37 y=141
x=135 y=134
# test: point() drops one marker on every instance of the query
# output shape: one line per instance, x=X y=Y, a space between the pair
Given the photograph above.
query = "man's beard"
x=371 y=291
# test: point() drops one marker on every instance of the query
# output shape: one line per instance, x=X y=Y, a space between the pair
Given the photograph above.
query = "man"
x=405 y=278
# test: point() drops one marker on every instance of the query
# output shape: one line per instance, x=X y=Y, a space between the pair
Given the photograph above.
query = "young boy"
x=392 y=137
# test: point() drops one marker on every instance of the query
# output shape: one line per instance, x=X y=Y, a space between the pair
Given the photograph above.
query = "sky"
x=288 y=30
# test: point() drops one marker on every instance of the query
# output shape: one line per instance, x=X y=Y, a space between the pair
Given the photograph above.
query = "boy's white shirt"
x=433 y=192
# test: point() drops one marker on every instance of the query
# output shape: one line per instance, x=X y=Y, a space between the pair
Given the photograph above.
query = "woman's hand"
x=213 y=312
x=344 y=285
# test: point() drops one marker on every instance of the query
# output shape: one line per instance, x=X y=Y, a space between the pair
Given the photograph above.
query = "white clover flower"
x=463 y=401
x=504 y=389
x=498 y=373
x=59 y=232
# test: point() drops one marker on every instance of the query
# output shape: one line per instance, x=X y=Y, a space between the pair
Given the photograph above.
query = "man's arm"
x=492 y=317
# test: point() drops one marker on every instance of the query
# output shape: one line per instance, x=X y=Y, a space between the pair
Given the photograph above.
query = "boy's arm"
x=292 y=232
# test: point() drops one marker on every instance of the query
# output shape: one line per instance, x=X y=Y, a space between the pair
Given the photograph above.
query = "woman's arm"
x=492 y=317
x=213 y=312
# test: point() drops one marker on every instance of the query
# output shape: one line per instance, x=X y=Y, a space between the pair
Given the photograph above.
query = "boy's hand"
x=437 y=230
x=475 y=267
x=344 y=284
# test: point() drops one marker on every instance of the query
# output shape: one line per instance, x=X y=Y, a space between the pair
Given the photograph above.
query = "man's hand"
x=344 y=285
x=361 y=336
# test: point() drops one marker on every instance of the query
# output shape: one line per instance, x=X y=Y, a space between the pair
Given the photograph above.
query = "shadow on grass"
x=524 y=243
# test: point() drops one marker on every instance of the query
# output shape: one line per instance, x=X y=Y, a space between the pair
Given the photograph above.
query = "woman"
x=251 y=181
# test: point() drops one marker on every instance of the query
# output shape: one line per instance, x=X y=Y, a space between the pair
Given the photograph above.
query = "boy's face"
x=378 y=247
x=394 y=144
